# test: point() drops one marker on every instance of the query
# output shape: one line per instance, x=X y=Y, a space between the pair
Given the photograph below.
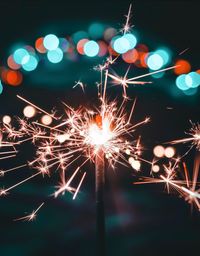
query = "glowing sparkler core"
x=99 y=135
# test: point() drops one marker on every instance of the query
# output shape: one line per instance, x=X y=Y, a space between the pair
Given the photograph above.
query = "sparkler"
x=83 y=135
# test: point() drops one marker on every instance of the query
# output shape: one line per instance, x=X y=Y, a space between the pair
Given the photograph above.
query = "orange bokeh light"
x=130 y=56
x=39 y=45
x=103 y=48
x=13 y=78
x=12 y=64
x=184 y=67
x=198 y=71
x=80 y=46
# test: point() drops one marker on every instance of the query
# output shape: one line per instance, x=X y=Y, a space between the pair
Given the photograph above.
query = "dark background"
x=141 y=220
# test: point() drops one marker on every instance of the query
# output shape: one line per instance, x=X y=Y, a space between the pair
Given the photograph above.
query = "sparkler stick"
x=100 y=215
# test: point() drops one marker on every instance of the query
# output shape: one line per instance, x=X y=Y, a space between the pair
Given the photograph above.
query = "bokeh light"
x=6 y=119
x=80 y=46
x=109 y=33
x=46 y=120
x=39 y=45
x=192 y=79
x=164 y=53
x=181 y=83
x=20 y=56
x=155 y=168
x=131 y=56
x=155 y=61
x=170 y=152
x=159 y=151
x=91 y=48
x=96 y=30
x=29 y=111
x=131 y=39
x=51 y=42
x=55 y=56
x=103 y=48
x=121 y=45
x=31 y=63
x=1 y=87
x=183 y=67
x=64 y=44
x=12 y=64
x=13 y=78
x=79 y=35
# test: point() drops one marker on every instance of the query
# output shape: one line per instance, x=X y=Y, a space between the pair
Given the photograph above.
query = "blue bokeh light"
x=31 y=64
x=21 y=56
x=155 y=61
x=55 y=56
x=91 y=48
x=51 y=42
x=121 y=45
x=131 y=39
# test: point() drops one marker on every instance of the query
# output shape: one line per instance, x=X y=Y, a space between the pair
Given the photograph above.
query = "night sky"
x=141 y=220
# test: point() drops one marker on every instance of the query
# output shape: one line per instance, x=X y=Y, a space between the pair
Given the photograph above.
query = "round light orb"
x=29 y=111
x=155 y=61
x=91 y=48
x=121 y=45
x=46 y=120
x=159 y=151
x=31 y=64
x=131 y=39
x=6 y=119
x=181 y=83
x=55 y=56
x=51 y=42
x=169 y=152
x=155 y=168
x=20 y=56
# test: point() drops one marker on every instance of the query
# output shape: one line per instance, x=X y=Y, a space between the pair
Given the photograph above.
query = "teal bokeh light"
x=155 y=61
x=181 y=83
x=91 y=48
x=79 y=35
x=131 y=39
x=31 y=63
x=121 y=45
x=51 y=42
x=55 y=56
x=165 y=54
x=1 y=87
x=21 y=56
x=192 y=79
x=96 y=30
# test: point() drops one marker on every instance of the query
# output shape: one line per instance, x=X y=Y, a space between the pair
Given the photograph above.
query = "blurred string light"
x=97 y=41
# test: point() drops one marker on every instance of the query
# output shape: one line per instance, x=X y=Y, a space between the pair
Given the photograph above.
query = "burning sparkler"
x=83 y=135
